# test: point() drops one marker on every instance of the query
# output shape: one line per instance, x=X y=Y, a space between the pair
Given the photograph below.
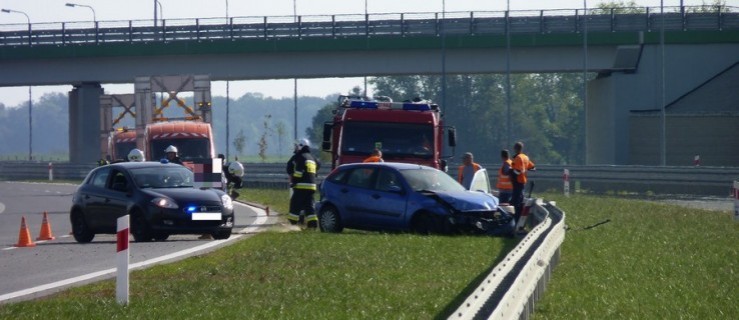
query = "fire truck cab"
x=410 y=132
x=193 y=139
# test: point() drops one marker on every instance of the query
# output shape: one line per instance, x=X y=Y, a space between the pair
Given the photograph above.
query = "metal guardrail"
x=513 y=286
x=709 y=181
x=371 y=25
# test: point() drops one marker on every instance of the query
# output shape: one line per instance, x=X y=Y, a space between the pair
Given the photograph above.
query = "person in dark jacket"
x=171 y=155
x=302 y=169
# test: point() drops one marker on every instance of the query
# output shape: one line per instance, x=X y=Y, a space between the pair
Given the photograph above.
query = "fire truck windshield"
x=187 y=149
x=396 y=140
x=123 y=148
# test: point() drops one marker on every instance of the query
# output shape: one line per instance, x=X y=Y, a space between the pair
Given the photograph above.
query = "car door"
x=115 y=202
x=92 y=196
x=480 y=181
x=386 y=205
x=357 y=192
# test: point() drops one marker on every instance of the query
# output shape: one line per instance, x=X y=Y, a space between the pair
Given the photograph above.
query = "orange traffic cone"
x=45 y=233
x=24 y=238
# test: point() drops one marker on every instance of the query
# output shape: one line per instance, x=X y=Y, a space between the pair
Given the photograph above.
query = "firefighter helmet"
x=303 y=143
x=171 y=149
x=236 y=168
x=136 y=155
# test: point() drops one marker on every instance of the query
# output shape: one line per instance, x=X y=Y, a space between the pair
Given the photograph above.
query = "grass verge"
x=651 y=261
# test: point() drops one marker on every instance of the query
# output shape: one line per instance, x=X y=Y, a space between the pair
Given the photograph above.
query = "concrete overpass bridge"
x=624 y=48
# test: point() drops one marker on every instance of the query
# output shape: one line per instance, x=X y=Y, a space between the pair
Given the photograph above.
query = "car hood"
x=185 y=194
x=469 y=200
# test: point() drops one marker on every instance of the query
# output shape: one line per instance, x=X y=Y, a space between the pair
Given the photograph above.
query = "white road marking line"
x=261 y=219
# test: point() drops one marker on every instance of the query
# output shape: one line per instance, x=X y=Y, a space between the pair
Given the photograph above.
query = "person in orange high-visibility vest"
x=521 y=164
x=504 y=185
x=467 y=170
x=375 y=156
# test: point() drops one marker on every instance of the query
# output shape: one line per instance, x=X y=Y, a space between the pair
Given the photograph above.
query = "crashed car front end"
x=473 y=212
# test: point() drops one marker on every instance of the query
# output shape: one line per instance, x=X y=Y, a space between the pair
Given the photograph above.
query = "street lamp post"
x=228 y=100
x=585 y=73
x=508 y=72
x=161 y=12
x=295 y=83
x=94 y=16
x=443 y=55
x=366 y=17
x=30 y=100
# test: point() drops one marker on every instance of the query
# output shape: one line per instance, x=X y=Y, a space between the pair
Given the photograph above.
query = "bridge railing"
x=371 y=25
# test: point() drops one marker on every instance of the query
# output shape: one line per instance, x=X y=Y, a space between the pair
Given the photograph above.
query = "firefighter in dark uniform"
x=302 y=168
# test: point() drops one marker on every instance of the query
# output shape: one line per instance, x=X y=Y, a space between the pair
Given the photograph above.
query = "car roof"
x=394 y=165
x=144 y=164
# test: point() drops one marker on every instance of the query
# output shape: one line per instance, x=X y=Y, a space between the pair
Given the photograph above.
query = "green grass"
x=296 y=275
x=652 y=261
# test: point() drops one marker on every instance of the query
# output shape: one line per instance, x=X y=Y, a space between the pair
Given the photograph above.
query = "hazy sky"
x=41 y=11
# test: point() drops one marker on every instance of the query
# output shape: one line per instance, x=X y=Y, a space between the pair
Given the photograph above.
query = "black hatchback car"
x=159 y=197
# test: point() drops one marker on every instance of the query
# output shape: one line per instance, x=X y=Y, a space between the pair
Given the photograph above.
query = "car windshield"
x=431 y=180
x=163 y=177
x=394 y=139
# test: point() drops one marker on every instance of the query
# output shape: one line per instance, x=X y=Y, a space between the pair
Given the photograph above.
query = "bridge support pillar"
x=84 y=122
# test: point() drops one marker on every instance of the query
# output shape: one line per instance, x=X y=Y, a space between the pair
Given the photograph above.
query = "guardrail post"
x=648 y=25
x=164 y=31
x=366 y=25
x=197 y=29
x=566 y=179
x=265 y=27
x=541 y=21
x=29 y=34
x=97 y=33
x=51 y=172
x=122 y=260
x=63 y=32
x=436 y=18
x=333 y=26
x=231 y=28
x=472 y=22
x=613 y=20
x=402 y=25
x=300 y=27
x=130 y=31
x=720 y=16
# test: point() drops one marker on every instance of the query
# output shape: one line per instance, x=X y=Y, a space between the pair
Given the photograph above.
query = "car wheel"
x=80 y=230
x=161 y=236
x=140 y=228
x=222 y=235
x=423 y=223
x=329 y=219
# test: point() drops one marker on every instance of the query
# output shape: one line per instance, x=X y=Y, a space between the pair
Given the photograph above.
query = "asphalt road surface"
x=53 y=265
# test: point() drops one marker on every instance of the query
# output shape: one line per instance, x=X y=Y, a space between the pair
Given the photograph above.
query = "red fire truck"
x=410 y=132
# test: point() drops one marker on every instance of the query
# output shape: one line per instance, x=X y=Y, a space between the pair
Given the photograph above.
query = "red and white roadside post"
x=122 y=256
x=735 y=193
x=51 y=172
x=566 y=180
x=697 y=160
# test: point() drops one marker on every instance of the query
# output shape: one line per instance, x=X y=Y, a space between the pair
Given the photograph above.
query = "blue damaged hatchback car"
x=408 y=197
